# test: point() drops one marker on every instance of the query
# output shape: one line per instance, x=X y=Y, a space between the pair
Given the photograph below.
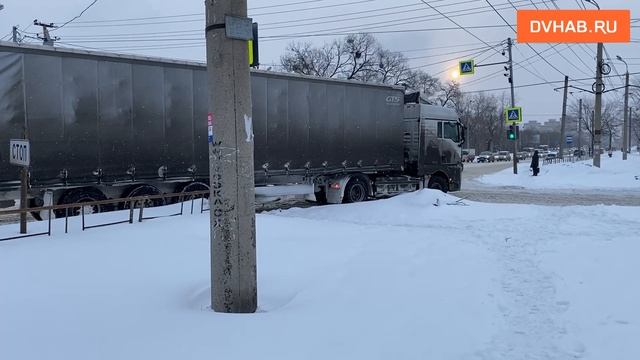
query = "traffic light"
x=253 y=50
x=513 y=133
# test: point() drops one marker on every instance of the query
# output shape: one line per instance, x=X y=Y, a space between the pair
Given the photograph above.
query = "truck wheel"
x=143 y=190
x=439 y=183
x=82 y=195
x=356 y=191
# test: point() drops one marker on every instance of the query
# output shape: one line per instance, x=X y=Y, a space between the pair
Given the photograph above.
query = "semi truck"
x=103 y=125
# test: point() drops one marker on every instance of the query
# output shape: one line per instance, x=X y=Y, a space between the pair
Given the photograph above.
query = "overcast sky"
x=173 y=29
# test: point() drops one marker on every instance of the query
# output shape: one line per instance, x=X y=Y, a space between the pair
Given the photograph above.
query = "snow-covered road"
x=557 y=185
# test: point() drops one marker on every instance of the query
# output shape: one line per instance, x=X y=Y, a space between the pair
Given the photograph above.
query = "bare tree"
x=424 y=83
x=393 y=68
x=326 y=61
x=355 y=57
x=361 y=50
x=361 y=57
x=449 y=94
x=481 y=115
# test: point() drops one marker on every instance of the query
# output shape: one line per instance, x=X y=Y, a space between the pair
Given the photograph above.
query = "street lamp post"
x=626 y=128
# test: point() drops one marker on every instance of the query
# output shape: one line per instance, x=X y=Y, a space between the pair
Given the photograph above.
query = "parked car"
x=467 y=156
x=579 y=152
x=523 y=155
x=486 y=157
x=504 y=156
x=551 y=156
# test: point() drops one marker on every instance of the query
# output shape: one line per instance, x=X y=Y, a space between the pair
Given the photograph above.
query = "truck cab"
x=433 y=142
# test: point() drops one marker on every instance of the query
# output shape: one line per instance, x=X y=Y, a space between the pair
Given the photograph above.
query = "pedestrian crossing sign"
x=467 y=67
x=513 y=115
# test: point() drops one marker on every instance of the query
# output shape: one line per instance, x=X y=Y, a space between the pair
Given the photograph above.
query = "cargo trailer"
x=105 y=125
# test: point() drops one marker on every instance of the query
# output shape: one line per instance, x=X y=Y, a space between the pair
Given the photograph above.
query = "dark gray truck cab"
x=433 y=138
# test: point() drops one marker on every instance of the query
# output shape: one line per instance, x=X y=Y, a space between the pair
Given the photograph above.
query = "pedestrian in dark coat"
x=535 y=163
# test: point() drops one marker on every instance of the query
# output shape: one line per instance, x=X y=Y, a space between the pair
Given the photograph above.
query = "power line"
x=77 y=16
x=447 y=53
x=336 y=16
x=478 y=53
x=413 y=20
x=284 y=37
x=514 y=30
x=140 y=18
x=471 y=11
x=454 y=22
x=202 y=14
x=534 y=84
x=376 y=25
x=463 y=28
x=448 y=47
x=284 y=5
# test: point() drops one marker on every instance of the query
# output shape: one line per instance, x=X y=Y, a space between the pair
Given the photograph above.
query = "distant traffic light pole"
x=513 y=104
x=230 y=136
x=467 y=67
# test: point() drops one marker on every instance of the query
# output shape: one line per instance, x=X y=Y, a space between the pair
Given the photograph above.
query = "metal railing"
x=565 y=159
x=132 y=203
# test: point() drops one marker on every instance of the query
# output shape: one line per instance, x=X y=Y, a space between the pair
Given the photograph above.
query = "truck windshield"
x=451 y=131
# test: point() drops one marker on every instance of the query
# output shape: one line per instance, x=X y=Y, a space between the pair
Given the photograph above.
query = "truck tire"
x=439 y=182
x=143 y=190
x=81 y=195
x=355 y=191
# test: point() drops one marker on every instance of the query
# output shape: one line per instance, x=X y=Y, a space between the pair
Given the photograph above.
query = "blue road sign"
x=569 y=139
x=513 y=115
x=467 y=67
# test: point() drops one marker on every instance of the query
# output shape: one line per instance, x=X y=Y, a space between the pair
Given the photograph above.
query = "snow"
x=418 y=276
x=614 y=173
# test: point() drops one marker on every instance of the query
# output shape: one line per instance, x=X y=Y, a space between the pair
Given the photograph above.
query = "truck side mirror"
x=461 y=134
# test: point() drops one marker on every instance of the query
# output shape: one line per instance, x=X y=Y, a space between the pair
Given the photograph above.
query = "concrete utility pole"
x=233 y=238
x=593 y=135
x=630 y=121
x=564 y=116
x=580 y=131
x=597 y=120
x=625 y=131
x=513 y=104
x=46 y=38
x=599 y=89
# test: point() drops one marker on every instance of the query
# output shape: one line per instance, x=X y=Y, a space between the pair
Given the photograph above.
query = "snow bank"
x=613 y=174
x=418 y=276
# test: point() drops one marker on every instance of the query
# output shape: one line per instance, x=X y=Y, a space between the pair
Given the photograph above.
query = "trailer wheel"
x=355 y=191
x=142 y=190
x=439 y=182
x=82 y=195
